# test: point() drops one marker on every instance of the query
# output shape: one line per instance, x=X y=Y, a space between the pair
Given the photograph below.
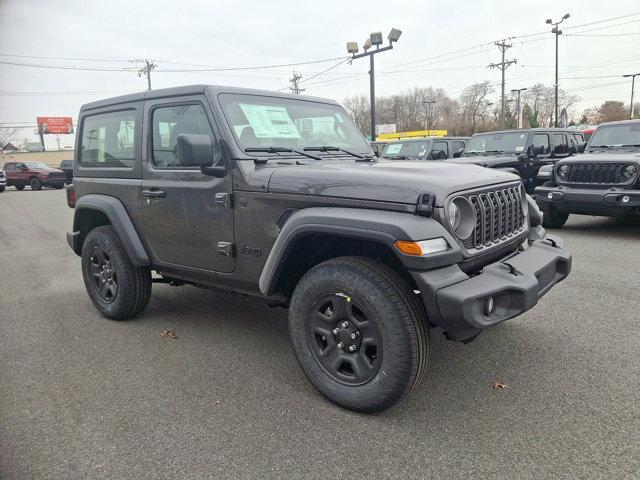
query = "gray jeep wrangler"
x=280 y=197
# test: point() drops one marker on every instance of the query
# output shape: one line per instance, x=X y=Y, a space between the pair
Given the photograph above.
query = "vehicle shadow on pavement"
x=624 y=228
x=458 y=376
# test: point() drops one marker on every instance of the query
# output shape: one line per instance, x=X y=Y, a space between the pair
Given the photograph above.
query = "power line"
x=62 y=67
x=256 y=67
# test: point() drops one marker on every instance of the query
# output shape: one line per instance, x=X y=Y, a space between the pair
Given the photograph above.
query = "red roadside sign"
x=48 y=125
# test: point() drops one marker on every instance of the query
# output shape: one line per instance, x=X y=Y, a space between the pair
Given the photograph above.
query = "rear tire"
x=35 y=184
x=118 y=289
x=349 y=296
x=2 y=189
x=19 y=187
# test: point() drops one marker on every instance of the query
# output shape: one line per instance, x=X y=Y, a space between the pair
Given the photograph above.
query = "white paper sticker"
x=269 y=121
x=519 y=149
x=394 y=149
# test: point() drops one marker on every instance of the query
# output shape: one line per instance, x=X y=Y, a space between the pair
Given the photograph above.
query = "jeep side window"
x=168 y=123
x=457 y=145
x=560 y=145
x=440 y=151
x=541 y=143
x=108 y=140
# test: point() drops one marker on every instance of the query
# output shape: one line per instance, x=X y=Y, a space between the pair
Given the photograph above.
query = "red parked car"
x=34 y=174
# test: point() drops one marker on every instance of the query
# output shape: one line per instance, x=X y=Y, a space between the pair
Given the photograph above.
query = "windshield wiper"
x=501 y=152
x=281 y=150
x=329 y=148
x=398 y=157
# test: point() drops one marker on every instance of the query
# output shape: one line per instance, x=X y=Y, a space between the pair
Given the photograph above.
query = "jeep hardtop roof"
x=534 y=130
x=211 y=90
x=618 y=122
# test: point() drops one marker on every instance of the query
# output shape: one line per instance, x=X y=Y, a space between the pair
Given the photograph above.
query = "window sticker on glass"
x=269 y=121
x=394 y=149
x=519 y=148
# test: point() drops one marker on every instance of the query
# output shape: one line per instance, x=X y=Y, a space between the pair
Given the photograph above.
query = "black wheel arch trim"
x=119 y=219
x=384 y=227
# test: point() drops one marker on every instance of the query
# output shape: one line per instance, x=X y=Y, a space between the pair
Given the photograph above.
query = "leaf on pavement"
x=499 y=386
x=169 y=334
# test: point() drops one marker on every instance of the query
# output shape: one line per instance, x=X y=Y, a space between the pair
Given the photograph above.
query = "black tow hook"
x=512 y=269
x=552 y=242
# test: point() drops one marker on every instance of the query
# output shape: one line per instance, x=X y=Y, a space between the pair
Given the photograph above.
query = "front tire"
x=552 y=218
x=19 y=187
x=359 y=333
x=118 y=289
x=35 y=184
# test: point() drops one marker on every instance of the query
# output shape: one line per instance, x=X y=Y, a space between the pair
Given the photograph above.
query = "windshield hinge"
x=224 y=200
x=426 y=202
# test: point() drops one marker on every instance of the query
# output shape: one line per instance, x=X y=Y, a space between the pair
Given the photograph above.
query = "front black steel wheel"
x=35 y=184
x=344 y=339
x=359 y=333
x=117 y=288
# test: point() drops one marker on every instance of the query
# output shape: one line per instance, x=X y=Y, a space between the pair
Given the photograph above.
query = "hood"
x=606 y=156
x=395 y=181
x=490 y=161
x=48 y=170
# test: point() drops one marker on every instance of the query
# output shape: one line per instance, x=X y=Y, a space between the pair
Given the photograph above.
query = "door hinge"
x=226 y=249
x=224 y=200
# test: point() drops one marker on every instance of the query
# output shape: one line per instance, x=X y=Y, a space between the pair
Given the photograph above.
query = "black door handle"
x=153 y=194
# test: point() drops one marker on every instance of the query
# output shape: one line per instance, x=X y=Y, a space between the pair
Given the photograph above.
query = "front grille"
x=498 y=215
x=595 y=173
x=56 y=175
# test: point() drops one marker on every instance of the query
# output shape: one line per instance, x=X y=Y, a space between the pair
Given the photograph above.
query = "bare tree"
x=360 y=109
x=7 y=134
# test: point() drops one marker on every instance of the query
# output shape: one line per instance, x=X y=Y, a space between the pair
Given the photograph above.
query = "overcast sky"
x=199 y=34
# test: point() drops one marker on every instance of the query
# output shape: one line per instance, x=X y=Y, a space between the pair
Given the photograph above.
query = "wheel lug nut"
x=354 y=335
x=340 y=345
x=345 y=324
x=336 y=331
x=352 y=348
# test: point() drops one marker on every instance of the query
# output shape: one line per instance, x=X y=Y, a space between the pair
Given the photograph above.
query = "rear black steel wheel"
x=358 y=332
x=117 y=288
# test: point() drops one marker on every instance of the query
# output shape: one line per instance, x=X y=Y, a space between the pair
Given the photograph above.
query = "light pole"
x=375 y=39
x=633 y=82
x=557 y=32
x=518 y=115
x=428 y=107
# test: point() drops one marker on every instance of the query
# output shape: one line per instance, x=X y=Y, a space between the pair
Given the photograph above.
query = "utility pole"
x=555 y=30
x=518 y=113
x=374 y=40
x=503 y=65
x=295 y=84
x=428 y=106
x=633 y=82
x=149 y=66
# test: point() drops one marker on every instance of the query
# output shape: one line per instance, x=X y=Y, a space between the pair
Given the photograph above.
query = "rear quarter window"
x=108 y=140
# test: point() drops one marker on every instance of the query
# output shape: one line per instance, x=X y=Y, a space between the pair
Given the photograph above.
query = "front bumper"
x=458 y=303
x=610 y=201
x=52 y=182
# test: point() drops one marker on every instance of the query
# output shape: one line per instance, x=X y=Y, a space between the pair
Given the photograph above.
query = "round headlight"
x=453 y=215
x=563 y=171
x=630 y=171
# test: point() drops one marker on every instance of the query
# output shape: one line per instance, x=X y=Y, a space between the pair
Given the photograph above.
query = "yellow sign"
x=415 y=133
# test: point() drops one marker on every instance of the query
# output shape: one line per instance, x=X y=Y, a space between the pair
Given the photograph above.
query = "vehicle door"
x=187 y=215
x=10 y=172
x=541 y=145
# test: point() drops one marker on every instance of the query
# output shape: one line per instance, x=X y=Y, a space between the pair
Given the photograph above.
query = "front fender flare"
x=384 y=227
x=119 y=219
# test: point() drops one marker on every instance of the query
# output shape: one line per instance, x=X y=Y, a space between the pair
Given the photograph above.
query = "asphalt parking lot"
x=84 y=397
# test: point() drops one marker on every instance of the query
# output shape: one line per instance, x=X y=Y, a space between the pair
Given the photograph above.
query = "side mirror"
x=195 y=150
x=458 y=154
x=581 y=147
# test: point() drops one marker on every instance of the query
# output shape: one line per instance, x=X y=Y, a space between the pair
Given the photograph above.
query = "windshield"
x=33 y=165
x=616 y=135
x=263 y=122
x=512 y=142
x=413 y=149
